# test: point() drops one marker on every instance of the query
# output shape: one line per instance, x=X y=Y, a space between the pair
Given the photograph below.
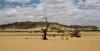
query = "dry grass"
x=34 y=43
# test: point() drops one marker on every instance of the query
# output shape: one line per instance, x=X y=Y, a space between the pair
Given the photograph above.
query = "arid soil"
x=35 y=43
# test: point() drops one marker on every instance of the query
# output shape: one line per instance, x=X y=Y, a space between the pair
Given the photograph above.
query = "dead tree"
x=45 y=30
x=75 y=33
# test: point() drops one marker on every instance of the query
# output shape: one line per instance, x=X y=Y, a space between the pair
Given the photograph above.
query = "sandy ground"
x=35 y=43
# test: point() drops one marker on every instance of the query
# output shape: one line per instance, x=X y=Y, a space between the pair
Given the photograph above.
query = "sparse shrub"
x=60 y=31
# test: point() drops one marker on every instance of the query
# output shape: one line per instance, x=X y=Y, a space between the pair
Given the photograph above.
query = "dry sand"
x=34 y=43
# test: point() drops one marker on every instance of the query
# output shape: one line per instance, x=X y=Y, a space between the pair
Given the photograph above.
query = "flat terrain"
x=34 y=43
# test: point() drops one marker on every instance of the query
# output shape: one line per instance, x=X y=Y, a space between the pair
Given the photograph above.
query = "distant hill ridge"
x=28 y=25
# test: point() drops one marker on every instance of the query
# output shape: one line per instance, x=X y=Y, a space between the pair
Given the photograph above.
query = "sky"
x=69 y=12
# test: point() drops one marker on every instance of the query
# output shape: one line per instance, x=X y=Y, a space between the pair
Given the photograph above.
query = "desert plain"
x=90 y=41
